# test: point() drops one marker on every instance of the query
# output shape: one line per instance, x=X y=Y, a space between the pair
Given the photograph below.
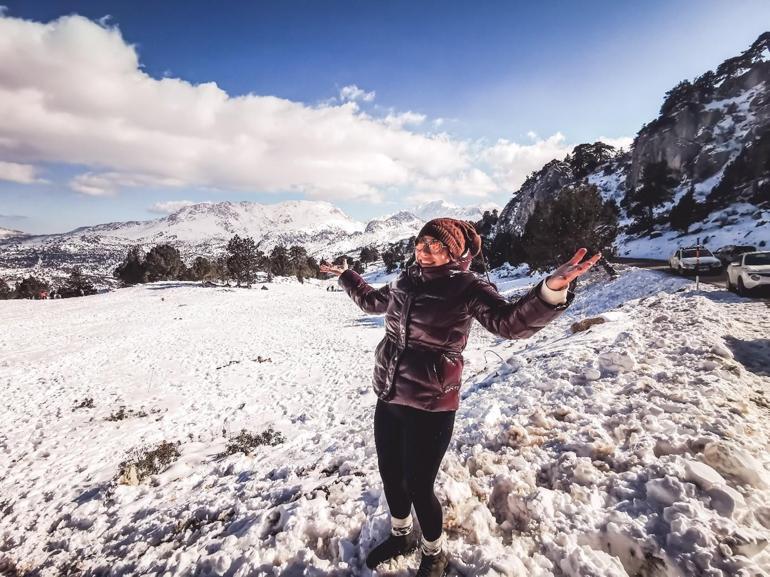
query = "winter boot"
x=433 y=565
x=391 y=547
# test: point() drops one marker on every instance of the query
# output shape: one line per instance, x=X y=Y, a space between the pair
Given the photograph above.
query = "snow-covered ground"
x=742 y=224
x=636 y=448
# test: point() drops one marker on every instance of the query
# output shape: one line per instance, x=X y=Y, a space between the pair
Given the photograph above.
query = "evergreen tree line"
x=241 y=263
x=31 y=287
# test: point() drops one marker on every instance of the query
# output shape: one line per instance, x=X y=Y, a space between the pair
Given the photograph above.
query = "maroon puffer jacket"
x=428 y=315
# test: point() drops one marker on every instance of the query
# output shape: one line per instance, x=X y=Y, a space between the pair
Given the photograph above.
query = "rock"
x=129 y=476
x=586 y=324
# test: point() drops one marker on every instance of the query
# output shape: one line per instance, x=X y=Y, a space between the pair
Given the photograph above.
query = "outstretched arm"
x=534 y=310
x=513 y=320
x=369 y=300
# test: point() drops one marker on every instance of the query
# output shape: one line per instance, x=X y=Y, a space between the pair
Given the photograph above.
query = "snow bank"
x=636 y=447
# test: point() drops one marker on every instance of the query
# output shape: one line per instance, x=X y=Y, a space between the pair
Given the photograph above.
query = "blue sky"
x=476 y=72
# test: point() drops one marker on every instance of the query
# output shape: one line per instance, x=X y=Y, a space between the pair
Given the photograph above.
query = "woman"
x=429 y=311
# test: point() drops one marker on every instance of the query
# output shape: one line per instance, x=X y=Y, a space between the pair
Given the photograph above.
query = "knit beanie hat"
x=456 y=234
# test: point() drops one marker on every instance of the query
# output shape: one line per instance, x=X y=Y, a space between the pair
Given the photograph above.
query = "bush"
x=163 y=262
x=246 y=442
x=280 y=264
x=5 y=291
x=31 y=288
x=243 y=259
x=203 y=269
x=131 y=270
x=86 y=403
x=144 y=462
x=77 y=285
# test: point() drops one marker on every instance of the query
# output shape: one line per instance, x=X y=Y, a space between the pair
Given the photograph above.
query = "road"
x=719 y=280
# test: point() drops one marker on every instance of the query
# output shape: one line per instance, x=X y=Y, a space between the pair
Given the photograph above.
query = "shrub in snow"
x=87 y=403
x=5 y=290
x=122 y=414
x=245 y=442
x=163 y=262
x=145 y=462
x=131 y=270
x=585 y=324
x=77 y=285
x=31 y=288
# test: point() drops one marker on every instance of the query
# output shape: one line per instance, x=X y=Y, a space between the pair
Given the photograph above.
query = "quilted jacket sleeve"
x=513 y=320
x=370 y=300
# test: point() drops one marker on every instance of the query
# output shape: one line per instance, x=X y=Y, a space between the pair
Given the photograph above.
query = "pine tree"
x=369 y=254
x=5 y=291
x=77 y=285
x=657 y=183
x=132 y=269
x=684 y=213
x=203 y=269
x=390 y=259
x=576 y=218
x=298 y=262
x=279 y=261
x=31 y=288
x=163 y=262
x=243 y=259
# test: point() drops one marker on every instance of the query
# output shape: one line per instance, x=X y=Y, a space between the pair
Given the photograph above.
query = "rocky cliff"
x=713 y=134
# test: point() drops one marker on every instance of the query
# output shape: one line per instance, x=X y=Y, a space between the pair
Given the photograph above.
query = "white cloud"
x=623 y=142
x=109 y=183
x=353 y=93
x=73 y=92
x=171 y=206
x=511 y=163
x=21 y=173
x=409 y=118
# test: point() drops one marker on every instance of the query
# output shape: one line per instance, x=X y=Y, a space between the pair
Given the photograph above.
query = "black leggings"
x=410 y=445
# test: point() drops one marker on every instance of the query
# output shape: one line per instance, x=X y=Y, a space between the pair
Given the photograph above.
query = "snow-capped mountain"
x=204 y=229
x=222 y=220
x=440 y=208
x=9 y=232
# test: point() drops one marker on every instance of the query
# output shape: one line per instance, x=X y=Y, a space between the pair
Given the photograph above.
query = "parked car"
x=731 y=252
x=750 y=272
x=693 y=259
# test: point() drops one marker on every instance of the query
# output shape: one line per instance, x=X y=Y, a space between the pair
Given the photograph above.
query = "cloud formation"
x=73 y=92
x=16 y=172
x=170 y=206
x=353 y=93
x=511 y=163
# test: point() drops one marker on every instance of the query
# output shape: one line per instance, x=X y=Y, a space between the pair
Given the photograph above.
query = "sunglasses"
x=434 y=246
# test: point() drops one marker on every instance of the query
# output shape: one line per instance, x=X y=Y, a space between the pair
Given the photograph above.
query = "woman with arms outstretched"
x=429 y=309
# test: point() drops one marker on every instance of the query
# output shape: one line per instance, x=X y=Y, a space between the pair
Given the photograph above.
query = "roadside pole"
x=697 y=264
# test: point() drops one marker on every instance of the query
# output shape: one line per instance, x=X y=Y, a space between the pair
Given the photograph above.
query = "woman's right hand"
x=336 y=271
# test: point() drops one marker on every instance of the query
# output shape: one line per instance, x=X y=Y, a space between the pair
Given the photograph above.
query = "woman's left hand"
x=569 y=271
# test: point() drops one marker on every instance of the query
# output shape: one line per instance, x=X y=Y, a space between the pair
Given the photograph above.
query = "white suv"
x=694 y=259
x=750 y=271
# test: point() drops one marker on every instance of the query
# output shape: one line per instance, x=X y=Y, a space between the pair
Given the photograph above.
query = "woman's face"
x=430 y=252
